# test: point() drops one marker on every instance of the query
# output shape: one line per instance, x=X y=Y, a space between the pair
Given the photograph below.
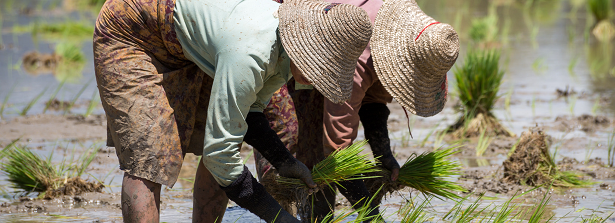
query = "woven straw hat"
x=325 y=40
x=412 y=53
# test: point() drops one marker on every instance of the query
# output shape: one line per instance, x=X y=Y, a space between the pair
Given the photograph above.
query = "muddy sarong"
x=154 y=98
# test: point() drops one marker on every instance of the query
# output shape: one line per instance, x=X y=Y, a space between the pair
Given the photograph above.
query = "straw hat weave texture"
x=412 y=53
x=325 y=40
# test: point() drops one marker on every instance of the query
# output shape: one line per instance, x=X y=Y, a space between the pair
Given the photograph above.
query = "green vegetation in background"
x=478 y=82
x=67 y=31
x=30 y=173
x=71 y=64
x=601 y=9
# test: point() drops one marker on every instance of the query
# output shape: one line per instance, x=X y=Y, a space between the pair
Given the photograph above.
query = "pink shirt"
x=341 y=121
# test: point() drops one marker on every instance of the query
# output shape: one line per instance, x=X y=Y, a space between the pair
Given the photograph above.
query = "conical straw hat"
x=412 y=53
x=325 y=41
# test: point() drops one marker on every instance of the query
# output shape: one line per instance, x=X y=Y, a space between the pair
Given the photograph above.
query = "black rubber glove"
x=266 y=141
x=374 y=117
x=356 y=192
x=251 y=195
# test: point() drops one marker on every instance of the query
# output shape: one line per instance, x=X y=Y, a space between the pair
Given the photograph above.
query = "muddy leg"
x=140 y=200
x=209 y=203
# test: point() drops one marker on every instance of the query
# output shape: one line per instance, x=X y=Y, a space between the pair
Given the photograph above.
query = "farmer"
x=193 y=76
x=409 y=56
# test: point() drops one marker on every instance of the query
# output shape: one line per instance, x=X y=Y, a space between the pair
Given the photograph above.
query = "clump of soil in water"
x=74 y=186
x=36 y=63
x=531 y=162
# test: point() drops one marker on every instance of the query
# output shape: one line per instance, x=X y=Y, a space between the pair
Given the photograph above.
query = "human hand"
x=296 y=169
x=390 y=163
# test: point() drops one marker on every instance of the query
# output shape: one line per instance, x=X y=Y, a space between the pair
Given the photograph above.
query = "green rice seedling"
x=427 y=173
x=438 y=142
x=572 y=65
x=484 y=29
x=571 y=106
x=507 y=98
x=411 y=212
x=483 y=143
x=361 y=212
x=25 y=110
x=72 y=102
x=70 y=30
x=611 y=149
x=601 y=9
x=539 y=65
x=342 y=165
x=70 y=52
x=588 y=152
x=6 y=101
x=27 y=171
x=30 y=173
x=458 y=214
x=594 y=218
x=533 y=105
x=428 y=135
x=539 y=210
x=478 y=83
x=53 y=96
x=92 y=105
x=596 y=106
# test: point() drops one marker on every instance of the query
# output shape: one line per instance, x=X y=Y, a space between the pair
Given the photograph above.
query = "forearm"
x=266 y=141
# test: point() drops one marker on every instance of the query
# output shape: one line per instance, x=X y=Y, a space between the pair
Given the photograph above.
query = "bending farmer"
x=190 y=76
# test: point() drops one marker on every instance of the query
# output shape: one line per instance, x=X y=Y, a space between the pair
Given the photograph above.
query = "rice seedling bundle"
x=478 y=83
x=30 y=173
x=341 y=165
x=532 y=164
x=427 y=173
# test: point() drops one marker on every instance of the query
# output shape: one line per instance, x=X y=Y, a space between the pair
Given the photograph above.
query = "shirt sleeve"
x=237 y=80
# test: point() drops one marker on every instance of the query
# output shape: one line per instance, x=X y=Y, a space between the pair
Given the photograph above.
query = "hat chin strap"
x=433 y=23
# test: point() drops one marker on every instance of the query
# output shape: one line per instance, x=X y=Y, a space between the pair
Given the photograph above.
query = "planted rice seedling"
x=411 y=212
x=361 y=214
x=92 y=105
x=596 y=106
x=439 y=141
x=601 y=9
x=6 y=101
x=427 y=172
x=483 y=144
x=53 y=96
x=507 y=99
x=30 y=173
x=25 y=110
x=72 y=102
x=478 y=83
x=72 y=31
x=588 y=152
x=611 y=149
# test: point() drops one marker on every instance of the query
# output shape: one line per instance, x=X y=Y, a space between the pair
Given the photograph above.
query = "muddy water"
x=545 y=47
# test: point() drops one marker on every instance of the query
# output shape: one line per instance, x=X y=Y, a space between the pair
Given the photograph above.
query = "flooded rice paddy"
x=558 y=77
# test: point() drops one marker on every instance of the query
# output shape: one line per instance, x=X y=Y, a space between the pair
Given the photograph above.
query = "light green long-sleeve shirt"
x=236 y=43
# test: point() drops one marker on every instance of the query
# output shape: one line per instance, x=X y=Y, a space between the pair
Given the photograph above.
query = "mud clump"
x=36 y=63
x=530 y=163
x=585 y=123
x=291 y=199
x=74 y=186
